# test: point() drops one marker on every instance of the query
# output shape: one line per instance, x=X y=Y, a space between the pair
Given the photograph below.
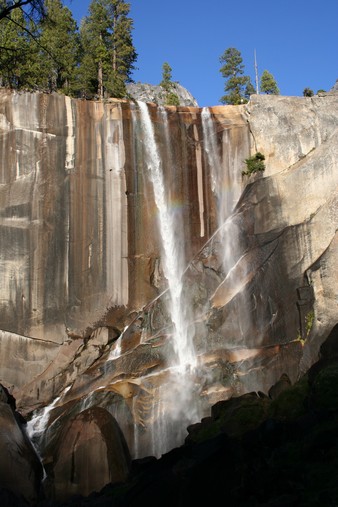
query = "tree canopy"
x=49 y=52
x=108 y=52
x=268 y=84
x=30 y=8
x=238 y=87
x=171 y=98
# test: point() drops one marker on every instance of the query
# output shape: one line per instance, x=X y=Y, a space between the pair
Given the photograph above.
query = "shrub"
x=254 y=164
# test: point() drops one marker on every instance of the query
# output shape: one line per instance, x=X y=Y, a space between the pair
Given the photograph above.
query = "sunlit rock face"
x=85 y=300
x=156 y=94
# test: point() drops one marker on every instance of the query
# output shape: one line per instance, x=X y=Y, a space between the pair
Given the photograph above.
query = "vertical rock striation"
x=84 y=294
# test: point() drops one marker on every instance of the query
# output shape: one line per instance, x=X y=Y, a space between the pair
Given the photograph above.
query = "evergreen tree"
x=249 y=90
x=31 y=9
x=124 y=53
x=109 y=54
x=171 y=98
x=14 y=48
x=268 y=84
x=307 y=92
x=166 y=82
x=59 y=48
x=236 y=83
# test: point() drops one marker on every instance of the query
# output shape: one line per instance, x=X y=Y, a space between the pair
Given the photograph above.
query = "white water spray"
x=172 y=256
x=36 y=426
x=173 y=404
x=225 y=182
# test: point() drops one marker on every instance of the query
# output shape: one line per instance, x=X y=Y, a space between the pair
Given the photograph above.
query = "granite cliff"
x=156 y=94
x=88 y=319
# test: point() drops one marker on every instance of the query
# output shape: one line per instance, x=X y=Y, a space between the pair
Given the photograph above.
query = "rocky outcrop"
x=156 y=94
x=20 y=468
x=86 y=303
x=90 y=452
x=279 y=451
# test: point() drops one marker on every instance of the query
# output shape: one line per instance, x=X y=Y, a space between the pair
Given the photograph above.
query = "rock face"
x=20 y=468
x=93 y=197
x=91 y=453
x=156 y=94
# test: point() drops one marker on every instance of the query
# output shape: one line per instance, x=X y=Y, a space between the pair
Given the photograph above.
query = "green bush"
x=254 y=164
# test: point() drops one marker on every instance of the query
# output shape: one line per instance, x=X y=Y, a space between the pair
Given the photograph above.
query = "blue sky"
x=295 y=40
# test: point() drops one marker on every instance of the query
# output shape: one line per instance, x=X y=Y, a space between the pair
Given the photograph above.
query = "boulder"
x=20 y=468
x=91 y=452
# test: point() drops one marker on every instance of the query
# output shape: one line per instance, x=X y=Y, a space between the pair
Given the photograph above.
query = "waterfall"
x=225 y=183
x=175 y=402
x=226 y=170
x=172 y=244
x=37 y=425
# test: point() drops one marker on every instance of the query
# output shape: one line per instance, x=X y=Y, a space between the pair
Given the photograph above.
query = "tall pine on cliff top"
x=171 y=98
x=108 y=52
x=268 y=84
x=237 y=86
x=59 y=48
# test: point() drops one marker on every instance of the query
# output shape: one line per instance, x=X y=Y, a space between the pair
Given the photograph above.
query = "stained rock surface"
x=85 y=309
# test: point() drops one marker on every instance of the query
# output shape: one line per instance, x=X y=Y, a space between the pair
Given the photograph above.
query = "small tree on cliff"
x=171 y=98
x=109 y=54
x=236 y=84
x=268 y=84
x=307 y=92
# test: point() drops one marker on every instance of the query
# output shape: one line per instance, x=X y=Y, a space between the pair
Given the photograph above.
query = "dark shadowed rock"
x=20 y=467
x=281 y=385
x=91 y=453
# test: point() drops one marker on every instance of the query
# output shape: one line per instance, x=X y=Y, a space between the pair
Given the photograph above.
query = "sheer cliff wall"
x=80 y=254
x=79 y=241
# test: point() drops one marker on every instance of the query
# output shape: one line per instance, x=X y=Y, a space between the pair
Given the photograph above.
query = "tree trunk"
x=100 y=80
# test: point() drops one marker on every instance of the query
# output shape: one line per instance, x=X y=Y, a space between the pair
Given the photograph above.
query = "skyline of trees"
x=42 y=48
x=50 y=53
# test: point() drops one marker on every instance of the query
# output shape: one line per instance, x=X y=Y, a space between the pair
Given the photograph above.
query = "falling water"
x=172 y=256
x=37 y=425
x=226 y=173
x=225 y=182
x=175 y=403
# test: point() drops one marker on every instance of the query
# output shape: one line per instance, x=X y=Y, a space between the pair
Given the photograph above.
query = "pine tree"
x=249 y=90
x=268 y=84
x=59 y=48
x=109 y=54
x=166 y=82
x=236 y=83
x=15 y=50
x=124 y=53
x=31 y=9
x=42 y=53
x=171 y=98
